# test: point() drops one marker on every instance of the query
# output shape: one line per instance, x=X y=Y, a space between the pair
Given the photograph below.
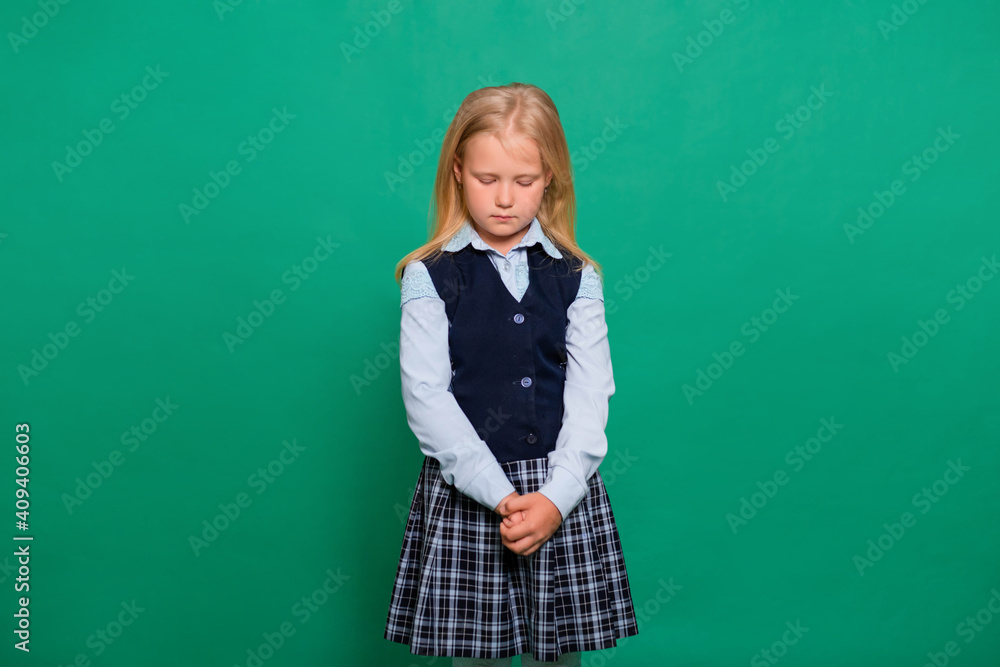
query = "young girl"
x=510 y=546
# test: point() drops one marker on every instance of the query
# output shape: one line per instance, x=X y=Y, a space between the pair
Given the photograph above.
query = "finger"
x=518 y=503
x=507 y=542
x=527 y=542
x=534 y=543
x=518 y=531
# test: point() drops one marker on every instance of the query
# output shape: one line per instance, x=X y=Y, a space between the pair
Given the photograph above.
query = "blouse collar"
x=467 y=234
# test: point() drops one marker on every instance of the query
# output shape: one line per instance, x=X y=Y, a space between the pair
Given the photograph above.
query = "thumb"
x=517 y=503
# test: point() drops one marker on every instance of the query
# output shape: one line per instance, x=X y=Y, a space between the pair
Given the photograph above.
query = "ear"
x=457 y=167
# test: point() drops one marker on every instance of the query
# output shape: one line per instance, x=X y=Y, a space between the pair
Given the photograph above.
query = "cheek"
x=474 y=195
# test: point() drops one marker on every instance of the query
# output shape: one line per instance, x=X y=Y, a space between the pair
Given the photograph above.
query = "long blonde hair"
x=524 y=110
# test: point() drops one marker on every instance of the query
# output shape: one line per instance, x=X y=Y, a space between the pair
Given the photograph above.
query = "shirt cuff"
x=564 y=490
x=489 y=486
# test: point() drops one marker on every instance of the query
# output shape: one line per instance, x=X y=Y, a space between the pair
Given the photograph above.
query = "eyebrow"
x=490 y=173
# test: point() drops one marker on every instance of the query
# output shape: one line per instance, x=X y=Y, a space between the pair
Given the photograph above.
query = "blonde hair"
x=523 y=110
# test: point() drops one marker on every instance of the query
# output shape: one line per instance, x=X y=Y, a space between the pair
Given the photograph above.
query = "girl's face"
x=503 y=193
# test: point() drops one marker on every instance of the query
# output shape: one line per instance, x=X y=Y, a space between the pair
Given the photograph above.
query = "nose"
x=504 y=196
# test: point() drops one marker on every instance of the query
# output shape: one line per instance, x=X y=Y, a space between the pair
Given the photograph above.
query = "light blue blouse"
x=442 y=429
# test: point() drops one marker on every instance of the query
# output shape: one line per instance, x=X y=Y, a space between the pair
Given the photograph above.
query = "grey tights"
x=527 y=660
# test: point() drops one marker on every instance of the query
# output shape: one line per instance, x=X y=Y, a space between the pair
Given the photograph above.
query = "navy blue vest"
x=508 y=358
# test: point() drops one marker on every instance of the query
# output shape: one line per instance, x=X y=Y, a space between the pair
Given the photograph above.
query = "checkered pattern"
x=459 y=592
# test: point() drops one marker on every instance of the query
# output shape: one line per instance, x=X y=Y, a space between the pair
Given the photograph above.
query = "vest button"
x=525 y=382
x=532 y=438
x=519 y=318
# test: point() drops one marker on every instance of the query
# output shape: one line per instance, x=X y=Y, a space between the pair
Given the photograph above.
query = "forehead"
x=485 y=151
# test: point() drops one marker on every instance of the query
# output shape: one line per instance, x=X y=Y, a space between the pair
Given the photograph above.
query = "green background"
x=354 y=169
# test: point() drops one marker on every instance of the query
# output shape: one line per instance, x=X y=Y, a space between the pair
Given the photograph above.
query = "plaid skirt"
x=459 y=592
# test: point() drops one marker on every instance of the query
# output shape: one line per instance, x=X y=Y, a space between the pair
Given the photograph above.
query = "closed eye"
x=488 y=181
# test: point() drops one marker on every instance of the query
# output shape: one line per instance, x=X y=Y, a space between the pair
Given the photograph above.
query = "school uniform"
x=506 y=380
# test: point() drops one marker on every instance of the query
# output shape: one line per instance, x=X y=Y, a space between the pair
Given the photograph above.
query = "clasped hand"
x=529 y=521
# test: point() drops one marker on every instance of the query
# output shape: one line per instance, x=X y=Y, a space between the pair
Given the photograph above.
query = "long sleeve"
x=582 y=443
x=438 y=422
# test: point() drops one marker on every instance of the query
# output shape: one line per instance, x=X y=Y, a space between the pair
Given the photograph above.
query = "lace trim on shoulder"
x=416 y=284
x=590 y=286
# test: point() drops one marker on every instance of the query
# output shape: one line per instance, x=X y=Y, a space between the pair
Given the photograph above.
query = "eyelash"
x=522 y=184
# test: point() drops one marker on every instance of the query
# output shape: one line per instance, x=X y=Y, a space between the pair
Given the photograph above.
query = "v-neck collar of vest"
x=467 y=235
x=528 y=290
